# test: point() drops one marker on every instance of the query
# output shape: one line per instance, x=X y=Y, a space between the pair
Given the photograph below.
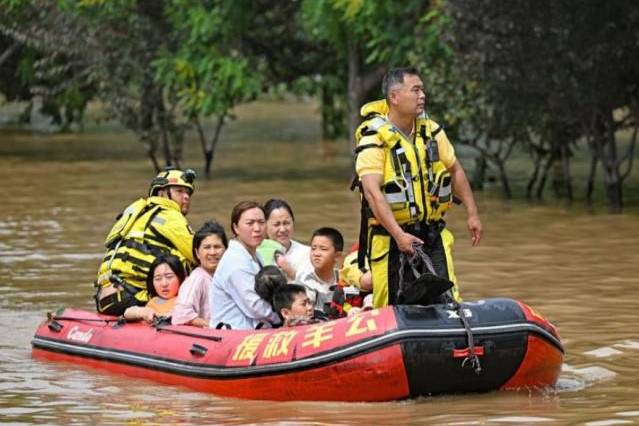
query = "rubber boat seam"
x=203 y=370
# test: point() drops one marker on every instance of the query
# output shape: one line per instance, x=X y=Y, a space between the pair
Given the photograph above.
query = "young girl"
x=192 y=307
x=163 y=282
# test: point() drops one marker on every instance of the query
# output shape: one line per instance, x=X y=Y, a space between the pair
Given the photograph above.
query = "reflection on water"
x=62 y=192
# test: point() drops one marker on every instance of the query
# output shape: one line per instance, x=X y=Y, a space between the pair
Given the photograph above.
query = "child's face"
x=301 y=307
x=165 y=282
x=323 y=253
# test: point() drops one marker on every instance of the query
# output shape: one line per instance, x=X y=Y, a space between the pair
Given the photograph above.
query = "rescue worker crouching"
x=407 y=172
x=147 y=228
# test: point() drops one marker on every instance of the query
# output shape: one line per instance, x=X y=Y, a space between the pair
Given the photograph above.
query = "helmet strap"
x=168 y=192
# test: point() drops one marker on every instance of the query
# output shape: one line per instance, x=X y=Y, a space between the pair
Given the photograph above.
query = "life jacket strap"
x=365 y=146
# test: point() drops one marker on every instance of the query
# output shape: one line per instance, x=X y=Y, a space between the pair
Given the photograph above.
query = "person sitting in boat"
x=146 y=229
x=192 y=306
x=267 y=280
x=280 y=228
x=292 y=304
x=163 y=283
x=321 y=278
x=353 y=292
x=233 y=299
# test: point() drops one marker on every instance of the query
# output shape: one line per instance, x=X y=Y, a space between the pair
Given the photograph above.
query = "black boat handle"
x=55 y=326
x=198 y=350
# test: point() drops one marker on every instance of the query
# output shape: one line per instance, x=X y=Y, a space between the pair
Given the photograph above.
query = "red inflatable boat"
x=380 y=355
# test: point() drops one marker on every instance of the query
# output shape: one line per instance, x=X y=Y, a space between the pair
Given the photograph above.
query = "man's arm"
x=177 y=230
x=462 y=190
x=371 y=184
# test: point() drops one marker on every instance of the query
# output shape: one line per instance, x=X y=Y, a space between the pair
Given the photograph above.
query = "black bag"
x=423 y=288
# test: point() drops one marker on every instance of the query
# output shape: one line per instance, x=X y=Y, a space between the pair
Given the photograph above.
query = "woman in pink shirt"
x=192 y=307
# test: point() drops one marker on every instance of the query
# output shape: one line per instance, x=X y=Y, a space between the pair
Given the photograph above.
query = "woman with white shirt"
x=280 y=227
x=192 y=307
x=233 y=299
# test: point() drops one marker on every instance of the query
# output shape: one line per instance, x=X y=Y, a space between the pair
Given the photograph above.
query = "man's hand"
x=406 y=243
x=474 y=228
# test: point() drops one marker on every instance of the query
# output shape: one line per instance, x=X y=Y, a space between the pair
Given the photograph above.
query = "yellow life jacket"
x=146 y=229
x=416 y=184
x=125 y=221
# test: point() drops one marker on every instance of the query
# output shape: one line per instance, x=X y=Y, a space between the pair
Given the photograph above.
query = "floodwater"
x=61 y=192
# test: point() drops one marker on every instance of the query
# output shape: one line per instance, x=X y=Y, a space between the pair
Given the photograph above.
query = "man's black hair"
x=331 y=233
x=284 y=296
x=396 y=76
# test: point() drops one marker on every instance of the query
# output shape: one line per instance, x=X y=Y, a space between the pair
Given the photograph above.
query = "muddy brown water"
x=61 y=192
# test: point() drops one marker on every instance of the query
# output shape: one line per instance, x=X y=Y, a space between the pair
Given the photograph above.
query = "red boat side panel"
x=541 y=366
x=235 y=348
x=287 y=344
x=375 y=376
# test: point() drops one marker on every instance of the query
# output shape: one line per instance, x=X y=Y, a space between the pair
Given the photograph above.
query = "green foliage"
x=205 y=71
x=550 y=74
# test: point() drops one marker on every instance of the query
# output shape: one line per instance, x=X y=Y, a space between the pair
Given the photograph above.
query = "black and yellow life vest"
x=416 y=184
x=146 y=229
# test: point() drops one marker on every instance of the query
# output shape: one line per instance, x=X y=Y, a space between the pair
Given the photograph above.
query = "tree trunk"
x=565 y=169
x=358 y=86
x=544 y=175
x=538 y=156
x=200 y=133
x=612 y=177
x=354 y=91
x=333 y=114
x=479 y=173
x=590 y=186
x=210 y=151
x=503 y=177
x=145 y=125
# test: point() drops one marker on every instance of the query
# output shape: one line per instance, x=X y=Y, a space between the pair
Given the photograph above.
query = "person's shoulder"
x=296 y=246
x=305 y=274
x=373 y=139
x=198 y=274
x=230 y=255
x=436 y=129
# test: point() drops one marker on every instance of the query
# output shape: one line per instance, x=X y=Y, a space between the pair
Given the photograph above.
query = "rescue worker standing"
x=146 y=229
x=408 y=173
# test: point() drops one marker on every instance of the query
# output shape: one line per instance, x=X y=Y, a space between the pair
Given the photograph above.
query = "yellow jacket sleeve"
x=370 y=160
x=174 y=227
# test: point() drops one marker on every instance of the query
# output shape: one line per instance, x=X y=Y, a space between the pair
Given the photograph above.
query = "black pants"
x=433 y=247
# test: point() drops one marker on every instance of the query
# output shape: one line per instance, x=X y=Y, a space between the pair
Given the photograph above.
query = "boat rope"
x=160 y=325
x=472 y=360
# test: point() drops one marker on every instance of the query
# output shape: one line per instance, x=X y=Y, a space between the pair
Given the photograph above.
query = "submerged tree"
x=556 y=74
x=157 y=66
